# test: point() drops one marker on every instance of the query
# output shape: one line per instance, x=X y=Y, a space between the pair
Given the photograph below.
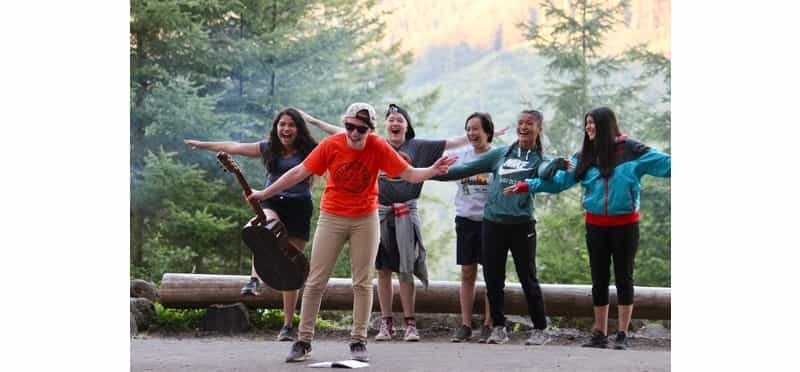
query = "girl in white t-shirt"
x=469 y=201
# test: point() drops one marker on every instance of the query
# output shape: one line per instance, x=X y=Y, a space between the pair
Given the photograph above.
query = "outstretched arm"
x=654 y=163
x=459 y=141
x=234 y=148
x=325 y=127
x=417 y=175
x=289 y=179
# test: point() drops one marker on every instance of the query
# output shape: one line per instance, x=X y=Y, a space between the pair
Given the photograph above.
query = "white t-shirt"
x=473 y=191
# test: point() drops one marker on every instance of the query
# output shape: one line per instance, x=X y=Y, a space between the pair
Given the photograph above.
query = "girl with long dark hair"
x=609 y=168
x=288 y=145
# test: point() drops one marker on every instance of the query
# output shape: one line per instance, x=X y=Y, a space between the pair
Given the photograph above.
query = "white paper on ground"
x=340 y=364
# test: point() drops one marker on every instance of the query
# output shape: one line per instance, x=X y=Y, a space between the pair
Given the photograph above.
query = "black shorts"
x=468 y=241
x=295 y=213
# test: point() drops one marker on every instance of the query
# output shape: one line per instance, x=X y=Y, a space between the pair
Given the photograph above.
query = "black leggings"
x=603 y=242
x=521 y=239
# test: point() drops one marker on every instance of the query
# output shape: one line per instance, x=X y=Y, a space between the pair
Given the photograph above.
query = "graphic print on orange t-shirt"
x=353 y=177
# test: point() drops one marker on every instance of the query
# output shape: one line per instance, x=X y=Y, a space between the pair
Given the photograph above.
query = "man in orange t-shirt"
x=349 y=212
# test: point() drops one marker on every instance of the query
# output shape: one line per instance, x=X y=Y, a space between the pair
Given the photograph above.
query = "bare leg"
x=467 y=292
x=488 y=317
x=407 y=296
x=290 y=297
x=601 y=319
x=624 y=317
x=385 y=292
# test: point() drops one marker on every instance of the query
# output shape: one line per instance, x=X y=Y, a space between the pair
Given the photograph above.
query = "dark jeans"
x=621 y=243
x=521 y=239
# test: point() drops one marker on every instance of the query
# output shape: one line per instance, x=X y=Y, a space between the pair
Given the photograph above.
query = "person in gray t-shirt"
x=288 y=144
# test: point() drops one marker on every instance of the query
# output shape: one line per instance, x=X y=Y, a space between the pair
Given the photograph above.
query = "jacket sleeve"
x=654 y=163
x=562 y=180
x=482 y=164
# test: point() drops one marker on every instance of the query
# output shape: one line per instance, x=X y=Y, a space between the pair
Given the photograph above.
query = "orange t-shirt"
x=352 y=185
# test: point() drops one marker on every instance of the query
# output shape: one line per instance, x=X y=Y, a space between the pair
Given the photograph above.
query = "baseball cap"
x=362 y=111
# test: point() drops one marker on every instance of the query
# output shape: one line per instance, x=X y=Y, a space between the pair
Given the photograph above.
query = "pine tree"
x=580 y=73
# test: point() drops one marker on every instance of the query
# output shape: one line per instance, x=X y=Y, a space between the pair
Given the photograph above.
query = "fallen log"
x=567 y=300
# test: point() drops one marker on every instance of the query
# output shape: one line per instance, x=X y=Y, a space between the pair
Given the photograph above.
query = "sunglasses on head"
x=359 y=128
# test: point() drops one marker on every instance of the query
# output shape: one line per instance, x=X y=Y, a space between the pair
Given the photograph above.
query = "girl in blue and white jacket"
x=609 y=168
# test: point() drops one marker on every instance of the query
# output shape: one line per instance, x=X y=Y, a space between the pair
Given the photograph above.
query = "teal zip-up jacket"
x=618 y=195
x=509 y=165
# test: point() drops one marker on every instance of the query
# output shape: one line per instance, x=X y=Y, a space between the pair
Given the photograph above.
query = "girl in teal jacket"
x=609 y=168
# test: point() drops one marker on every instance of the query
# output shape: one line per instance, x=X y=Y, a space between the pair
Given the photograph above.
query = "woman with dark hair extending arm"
x=288 y=145
x=508 y=223
x=609 y=168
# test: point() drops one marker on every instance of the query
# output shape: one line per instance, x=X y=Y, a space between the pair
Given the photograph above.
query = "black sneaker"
x=286 y=333
x=358 y=351
x=462 y=334
x=598 y=340
x=251 y=288
x=622 y=342
x=301 y=351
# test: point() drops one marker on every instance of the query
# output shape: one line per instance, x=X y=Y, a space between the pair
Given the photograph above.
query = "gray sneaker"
x=486 y=331
x=499 y=335
x=538 y=337
x=286 y=333
x=251 y=288
x=358 y=351
x=300 y=351
x=462 y=334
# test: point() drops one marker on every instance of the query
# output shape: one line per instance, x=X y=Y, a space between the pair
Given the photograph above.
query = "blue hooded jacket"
x=619 y=193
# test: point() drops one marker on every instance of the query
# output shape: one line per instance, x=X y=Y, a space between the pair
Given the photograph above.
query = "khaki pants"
x=332 y=232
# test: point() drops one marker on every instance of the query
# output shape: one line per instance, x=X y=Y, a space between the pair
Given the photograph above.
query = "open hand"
x=194 y=143
x=516 y=188
x=443 y=164
x=502 y=132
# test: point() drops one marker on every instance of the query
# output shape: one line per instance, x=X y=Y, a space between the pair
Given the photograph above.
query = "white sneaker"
x=385 y=332
x=499 y=335
x=411 y=333
x=538 y=337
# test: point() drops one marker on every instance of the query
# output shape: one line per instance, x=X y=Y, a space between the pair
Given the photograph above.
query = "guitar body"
x=277 y=263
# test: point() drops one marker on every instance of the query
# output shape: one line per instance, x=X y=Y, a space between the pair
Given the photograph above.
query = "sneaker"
x=286 y=333
x=387 y=330
x=622 y=342
x=358 y=351
x=598 y=340
x=499 y=335
x=538 y=337
x=486 y=331
x=251 y=288
x=462 y=334
x=301 y=351
x=411 y=333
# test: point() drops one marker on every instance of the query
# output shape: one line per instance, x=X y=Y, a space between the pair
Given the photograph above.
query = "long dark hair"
x=303 y=142
x=486 y=123
x=538 y=117
x=602 y=151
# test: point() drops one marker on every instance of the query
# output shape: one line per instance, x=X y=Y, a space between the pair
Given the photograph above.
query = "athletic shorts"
x=468 y=241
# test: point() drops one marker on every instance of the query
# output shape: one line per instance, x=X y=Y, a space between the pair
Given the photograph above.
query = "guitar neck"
x=248 y=191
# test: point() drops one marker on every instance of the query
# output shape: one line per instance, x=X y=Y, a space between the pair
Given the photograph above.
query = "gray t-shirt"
x=472 y=191
x=423 y=153
x=283 y=165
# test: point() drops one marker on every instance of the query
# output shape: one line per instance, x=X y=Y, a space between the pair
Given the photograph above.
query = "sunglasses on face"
x=359 y=128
